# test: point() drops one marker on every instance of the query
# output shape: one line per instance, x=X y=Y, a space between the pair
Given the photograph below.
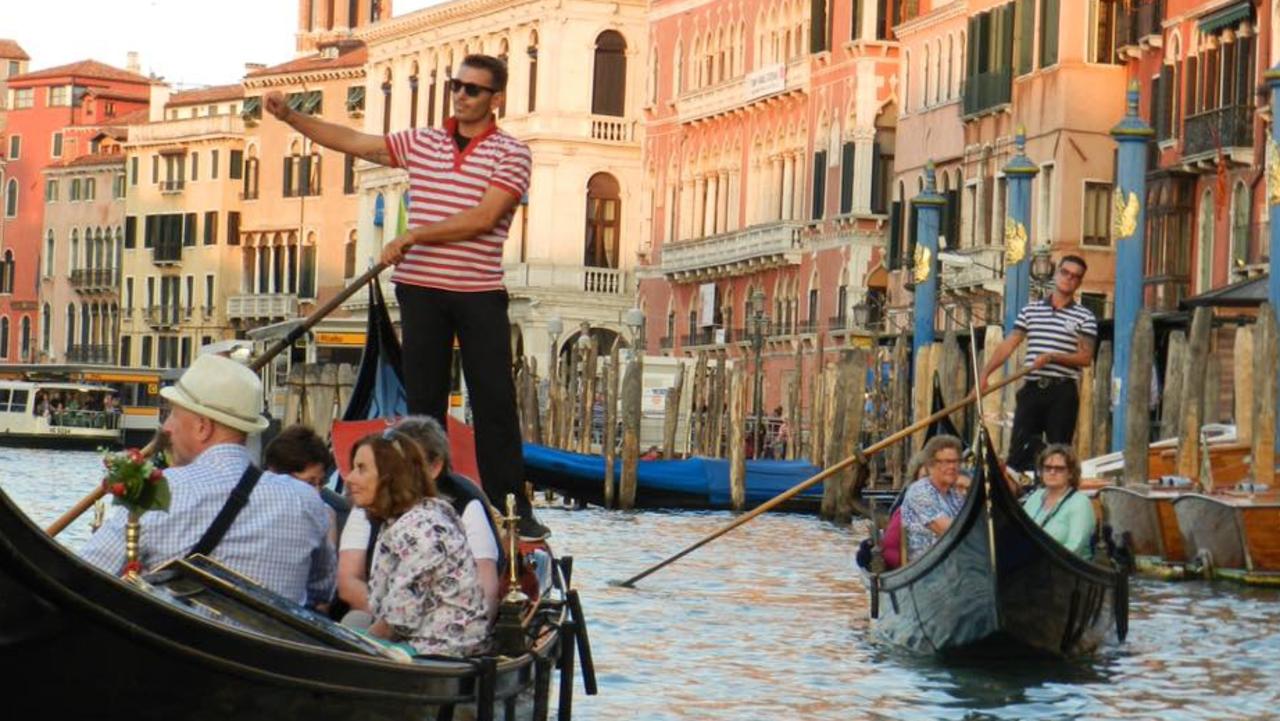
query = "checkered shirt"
x=280 y=539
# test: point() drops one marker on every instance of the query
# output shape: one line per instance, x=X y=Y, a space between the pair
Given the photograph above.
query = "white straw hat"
x=222 y=390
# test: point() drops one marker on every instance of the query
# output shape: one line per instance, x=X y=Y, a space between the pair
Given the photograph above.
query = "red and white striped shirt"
x=444 y=181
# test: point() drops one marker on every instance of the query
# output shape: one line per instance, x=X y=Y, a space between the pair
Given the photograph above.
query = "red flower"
x=117 y=489
x=156 y=475
x=135 y=456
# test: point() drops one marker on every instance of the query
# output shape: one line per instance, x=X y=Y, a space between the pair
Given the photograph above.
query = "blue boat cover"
x=701 y=477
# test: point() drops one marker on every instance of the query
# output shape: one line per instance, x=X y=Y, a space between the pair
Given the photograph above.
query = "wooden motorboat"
x=1232 y=535
x=1144 y=519
x=997 y=584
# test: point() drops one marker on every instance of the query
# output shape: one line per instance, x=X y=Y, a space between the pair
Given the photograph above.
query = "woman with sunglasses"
x=424 y=592
x=1059 y=508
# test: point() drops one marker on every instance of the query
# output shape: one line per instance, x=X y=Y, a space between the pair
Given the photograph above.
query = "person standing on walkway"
x=1061 y=335
x=465 y=180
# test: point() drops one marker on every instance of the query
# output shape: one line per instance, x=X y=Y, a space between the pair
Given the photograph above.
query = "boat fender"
x=567 y=636
x=875 y=596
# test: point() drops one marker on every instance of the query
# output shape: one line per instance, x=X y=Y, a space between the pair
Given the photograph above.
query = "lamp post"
x=757 y=345
x=633 y=319
x=1042 y=268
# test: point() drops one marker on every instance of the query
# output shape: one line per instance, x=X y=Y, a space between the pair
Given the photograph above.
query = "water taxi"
x=59 y=415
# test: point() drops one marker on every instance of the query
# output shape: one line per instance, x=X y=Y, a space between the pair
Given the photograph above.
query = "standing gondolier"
x=1061 y=335
x=465 y=180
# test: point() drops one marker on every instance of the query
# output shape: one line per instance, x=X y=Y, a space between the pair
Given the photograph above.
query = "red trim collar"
x=451 y=127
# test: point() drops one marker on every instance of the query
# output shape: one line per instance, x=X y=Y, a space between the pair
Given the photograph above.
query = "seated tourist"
x=299 y=452
x=1058 y=508
x=932 y=502
x=279 y=538
x=423 y=588
x=468 y=501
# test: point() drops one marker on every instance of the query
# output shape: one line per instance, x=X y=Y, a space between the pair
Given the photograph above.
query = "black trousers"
x=429 y=320
x=1045 y=413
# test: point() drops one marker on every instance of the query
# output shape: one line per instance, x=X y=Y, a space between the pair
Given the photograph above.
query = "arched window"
x=84 y=324
x=99 y=250
x=349 y=257
x=251 y=174
x=609 y=89
x=1240 y=202
x=46 y=327
x=307 y=271
x=24 y=338
x=413 y=96
x=924 y=70
x=74 y=257
x=11 y=198
x=504 y=49
x=4 y=337
x=71 y=327
x=48 y=254
x=533 y=70
x=386 y=101
x=1204 y=232
x=604 y=205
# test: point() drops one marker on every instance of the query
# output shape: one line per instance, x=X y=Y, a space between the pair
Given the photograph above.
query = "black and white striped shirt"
x=1055 y=330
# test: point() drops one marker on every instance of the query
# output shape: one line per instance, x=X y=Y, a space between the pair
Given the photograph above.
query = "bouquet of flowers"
x=135 y=482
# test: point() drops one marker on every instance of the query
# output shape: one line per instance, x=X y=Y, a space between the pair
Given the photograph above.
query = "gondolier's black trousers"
x=1045 y=413
x=429 y=320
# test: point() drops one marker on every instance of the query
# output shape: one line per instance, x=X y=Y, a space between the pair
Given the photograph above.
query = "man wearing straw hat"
x=266 y=526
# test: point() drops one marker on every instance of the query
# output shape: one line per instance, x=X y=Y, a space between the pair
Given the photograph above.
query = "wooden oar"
x=822 y=476
x=255 y=365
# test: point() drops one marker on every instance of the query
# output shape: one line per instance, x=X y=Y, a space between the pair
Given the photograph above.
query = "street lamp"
x=861 y=313
x=633 y=319
x=758 y=323
x=1042 y=268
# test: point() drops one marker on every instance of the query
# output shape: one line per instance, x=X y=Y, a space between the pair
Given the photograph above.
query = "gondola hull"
x=996 y=584
x=694 y=484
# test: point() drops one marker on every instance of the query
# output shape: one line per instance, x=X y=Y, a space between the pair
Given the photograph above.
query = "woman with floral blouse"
x=423 y=588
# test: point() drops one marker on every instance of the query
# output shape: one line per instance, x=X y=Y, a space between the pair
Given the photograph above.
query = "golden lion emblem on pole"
x=1015 y=241
x=1124 y=215
x=923 y=264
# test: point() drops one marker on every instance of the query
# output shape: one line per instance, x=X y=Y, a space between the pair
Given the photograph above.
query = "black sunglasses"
x=471 y=89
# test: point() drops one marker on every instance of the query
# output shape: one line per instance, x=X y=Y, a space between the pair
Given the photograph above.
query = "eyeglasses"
x=1062 y=271
x=471 y=89
x=947 y=461
x=1053 y=468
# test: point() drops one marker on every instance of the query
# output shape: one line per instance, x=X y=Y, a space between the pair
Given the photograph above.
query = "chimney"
x=132 y=64
x=159 y=99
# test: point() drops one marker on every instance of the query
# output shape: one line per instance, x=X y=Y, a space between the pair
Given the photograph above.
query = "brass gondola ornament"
x=923 y=264
x=1015 y=241
x=509 y=630
x=1124 y=214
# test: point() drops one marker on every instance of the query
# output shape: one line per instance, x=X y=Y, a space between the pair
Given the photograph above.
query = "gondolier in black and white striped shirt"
x=1061 y=335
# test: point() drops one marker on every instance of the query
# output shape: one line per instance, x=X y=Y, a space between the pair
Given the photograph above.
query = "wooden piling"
x=1137 y=412
x=1101 y=405
x=631 y=388
x=346 y=381
x=697 y=407
x=851 y=436
x=794 y=410
x=899 y=404
x=612 y=373
x=1266 y=357
x=1242 y=360
x=1084 y=415
x=1192 y=404
x=322 y=389
x=1212 y=389
x=1175 y=370
x=836 y=402
x=926 y=364
x=993 y=410
x=951 y=375
x=589 y=366
x=719 y=387
x=671 y=414
x=737 y=439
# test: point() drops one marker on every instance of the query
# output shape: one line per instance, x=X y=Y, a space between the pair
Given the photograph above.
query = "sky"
x=189 y=42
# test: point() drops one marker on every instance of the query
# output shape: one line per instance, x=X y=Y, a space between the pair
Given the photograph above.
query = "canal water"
x=769 y=622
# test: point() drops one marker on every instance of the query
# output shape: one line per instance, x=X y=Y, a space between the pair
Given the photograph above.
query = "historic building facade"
x=53 y=119
x=13 y=62
x=180 y=265
x=80 y=259
x=575 y=95
x=298 y=227
x=973 y=73
x=770 y=138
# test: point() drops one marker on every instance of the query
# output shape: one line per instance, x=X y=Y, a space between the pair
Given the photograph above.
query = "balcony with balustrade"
x=1229 y=127
x=589 y=127
x=597 y=282
x=161 y=317
x=1140 y=27
x=262 y=306
x=90 y=353
x=973 y=269
x=740 y=252
x=95 y=280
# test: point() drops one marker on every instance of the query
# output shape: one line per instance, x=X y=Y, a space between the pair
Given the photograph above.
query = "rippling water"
x=769 y=622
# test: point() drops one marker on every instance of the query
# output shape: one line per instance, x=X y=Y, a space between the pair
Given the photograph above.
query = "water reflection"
x=769 y=622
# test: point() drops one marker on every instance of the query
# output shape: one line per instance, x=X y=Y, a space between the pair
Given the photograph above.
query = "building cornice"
x=439 y=16
x=937 y=17
x=310 y=76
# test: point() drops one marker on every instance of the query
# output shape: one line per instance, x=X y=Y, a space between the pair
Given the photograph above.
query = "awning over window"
x=1226 y=17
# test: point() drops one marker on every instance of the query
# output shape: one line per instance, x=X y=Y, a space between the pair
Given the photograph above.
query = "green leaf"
x=162 y=497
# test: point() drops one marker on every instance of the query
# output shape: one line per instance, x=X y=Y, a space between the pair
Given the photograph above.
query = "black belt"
x=1044 y=382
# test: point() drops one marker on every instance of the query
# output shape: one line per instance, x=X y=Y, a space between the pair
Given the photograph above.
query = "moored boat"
x=996 y=584
x=1235 y=536
x=1145 y=521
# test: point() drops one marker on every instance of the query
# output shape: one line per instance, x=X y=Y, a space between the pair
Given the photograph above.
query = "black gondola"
x=197 y=642
x=996 y=584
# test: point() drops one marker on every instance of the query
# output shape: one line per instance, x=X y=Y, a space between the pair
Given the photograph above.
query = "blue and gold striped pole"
x=1273 y=201
x=1017 y=246
x=924 y=268
x=1127 y=230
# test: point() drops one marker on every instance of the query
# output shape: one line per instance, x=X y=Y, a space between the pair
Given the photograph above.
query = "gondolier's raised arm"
x=372 y=148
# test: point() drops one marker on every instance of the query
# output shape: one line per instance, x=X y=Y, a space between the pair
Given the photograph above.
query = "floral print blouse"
x=424 y=585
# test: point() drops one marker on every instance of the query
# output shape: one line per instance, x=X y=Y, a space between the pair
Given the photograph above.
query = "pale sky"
x=188 y=42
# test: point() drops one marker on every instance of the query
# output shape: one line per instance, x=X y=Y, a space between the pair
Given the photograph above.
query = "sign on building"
x=766 y=81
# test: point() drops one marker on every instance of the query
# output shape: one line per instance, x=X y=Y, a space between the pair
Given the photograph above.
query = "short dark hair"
x=1084 y=267
x=497 y=68
x=295 y=448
